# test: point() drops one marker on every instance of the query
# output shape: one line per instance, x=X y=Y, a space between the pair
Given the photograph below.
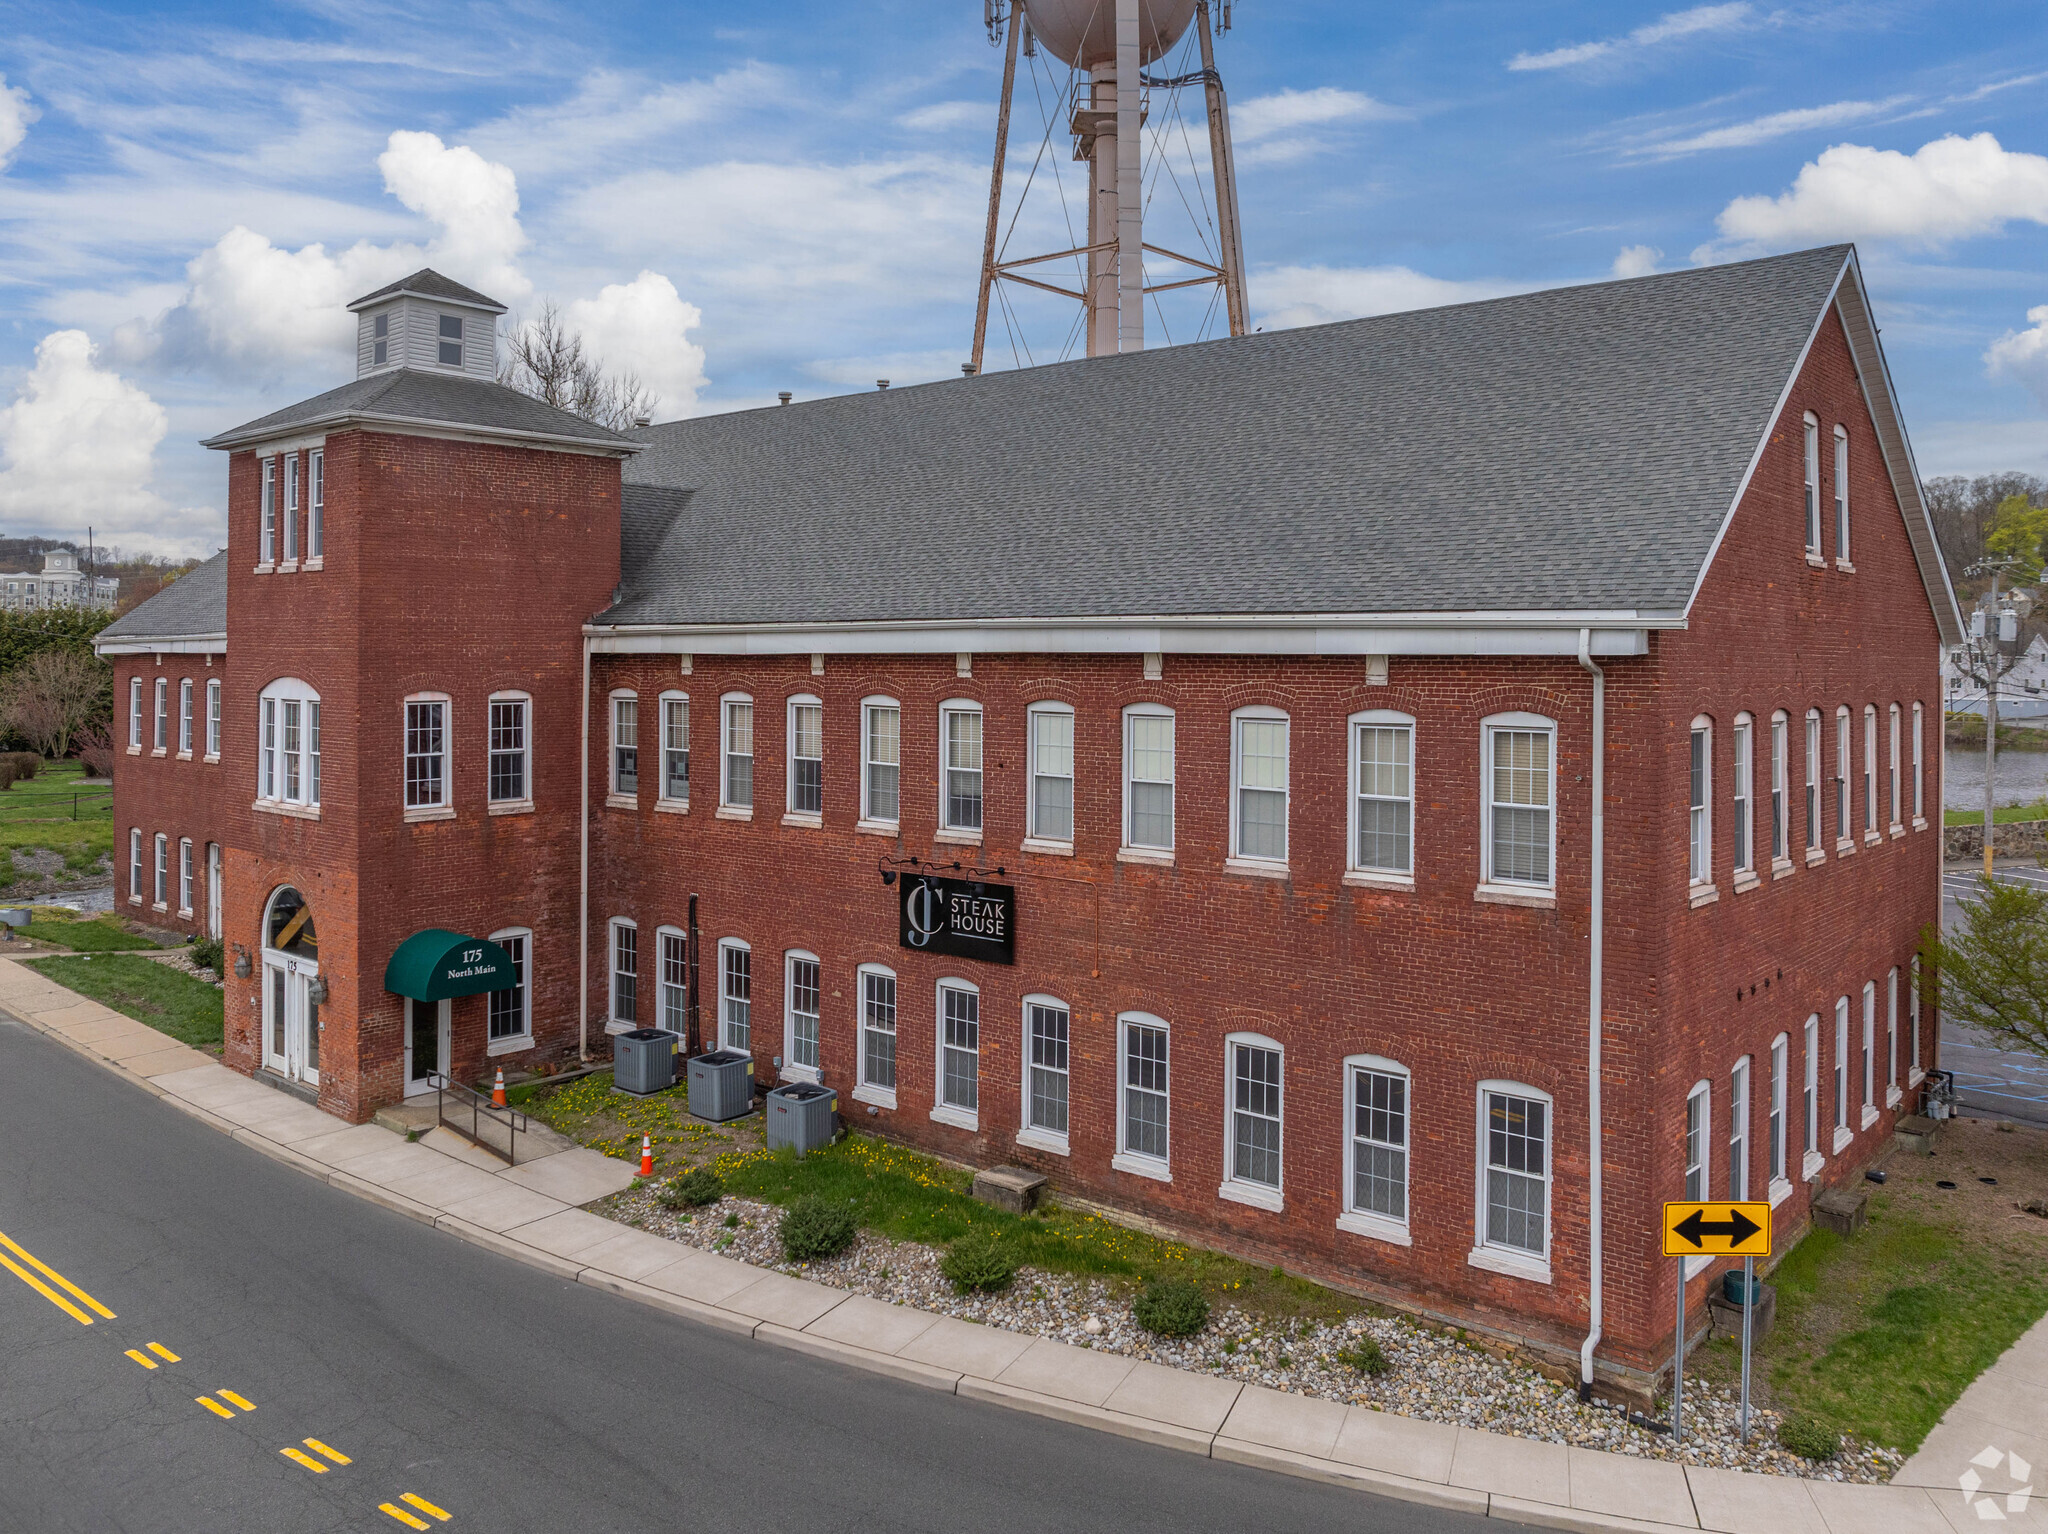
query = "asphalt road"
x=491 y=1392
x=1990 y=1081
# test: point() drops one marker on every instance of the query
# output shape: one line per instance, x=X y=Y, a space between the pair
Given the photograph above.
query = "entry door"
x=213 y=889
x=426 y=1044
x=291 y=1020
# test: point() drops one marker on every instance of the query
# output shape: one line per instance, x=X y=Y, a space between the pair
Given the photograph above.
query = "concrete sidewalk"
x=531 y=1212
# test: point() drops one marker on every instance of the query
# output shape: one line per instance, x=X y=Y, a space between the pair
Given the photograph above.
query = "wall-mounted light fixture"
x=243 y=968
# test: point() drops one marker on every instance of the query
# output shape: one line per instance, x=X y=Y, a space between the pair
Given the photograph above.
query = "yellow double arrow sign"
x=1725 y=1229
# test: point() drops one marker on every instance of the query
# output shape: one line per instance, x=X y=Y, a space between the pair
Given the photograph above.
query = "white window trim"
x=1870 y=1112
x=160 y=719
x=1036 y=840
x=944 y=1112
x=1919 y=767
x=1158 y=1168
x=1870 y=820
x=214 y=721
x=791 y=815
x=662 y=801
x=1741 y=1119
x=1516 y=892
x=614 y=796
x=1128 y=851
x=185 y=876
x=160 y=888
x=1816 y=528
x=869 y=820
x=266 y=528
x=187 y=730
x=947 y=831
x=290 y=689
x=1779 y=1148
x=513 y=1043
x=522 y=806
x=1510 y=1260
x=1367 y=1222
x=789 y=1068
x=1892 y=1095
x=1029 y=1134
x=288 y=523
x=1897 y=797
x=445 y=810
x=134 y=715
x=1233 y=1188
x=735 y=945
x=1839 y=1077
x=1845 y=819
x=1817 y=795
x=881 y=1097
x=1355 y=871
x=1240 y=861
x=613 y=1022
x=1844 y=557
x=1811 y=1157
x=135 y=865
x=661 y=936
x=1700 y=839
x=727 y=810
x=1742 y=790
x=316 y=517
x=1703 y=1092
x=1914 y=1074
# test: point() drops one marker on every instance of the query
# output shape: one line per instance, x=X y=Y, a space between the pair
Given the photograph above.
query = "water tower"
x=1106 y=46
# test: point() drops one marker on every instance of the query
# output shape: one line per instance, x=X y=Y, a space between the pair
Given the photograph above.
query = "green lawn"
x=96 y=934
x=50 y=812
x=167 y=999
x=2003 y=815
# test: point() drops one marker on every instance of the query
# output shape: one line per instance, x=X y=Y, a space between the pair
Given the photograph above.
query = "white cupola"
x=426 y=321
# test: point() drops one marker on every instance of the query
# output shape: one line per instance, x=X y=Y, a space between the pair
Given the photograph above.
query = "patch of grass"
x=97 y=934
x=1173 y=1307
x=167 y=999
x=588 y=1110
x=2001 y=815
x=1366 y=1356
x=51 y=813
x=1968 y=730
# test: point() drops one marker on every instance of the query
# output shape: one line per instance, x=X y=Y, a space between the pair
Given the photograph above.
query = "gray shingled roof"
x=1576 y=449
x=194 y=606
x=428 y=283
x=418 y=394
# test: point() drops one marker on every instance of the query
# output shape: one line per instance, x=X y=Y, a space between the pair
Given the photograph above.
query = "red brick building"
x=1374 y=765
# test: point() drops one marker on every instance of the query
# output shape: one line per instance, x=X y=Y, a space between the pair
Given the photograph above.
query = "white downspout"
x=583 y=878
x=1598 y=914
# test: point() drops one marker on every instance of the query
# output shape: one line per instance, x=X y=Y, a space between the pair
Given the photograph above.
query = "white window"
x=881 y=768
x=1813 y=778
x=1810 y=1099
x=1514 y=1180
x=1376 y=1143
x=135 y=713
x=736 y=781
x=185 y=876
x=1891 y=1035
x=213 y=719
x=135 y=865
x=380 y=351
x=625 y=745
x=511 y=749
x=1869 y=1050
x=1870 y=766
x=291 y=506
x=736 y=995
x=672 y=979
x=1913 y=1016
x=509 y=1017
x=1518 y=830
x=675 y=748
x=1893 y=764
x=1046 y=1027
x=1842 y=773
x=288 y=744
x=426 y=753
x=1919 y=780
x=1251 y=1167
x=268 y=551
x=316 y=505
x=1811 y=464
x=1842 y=494
x=1142 y=1099
x=161 y=739
x=1745 y=854
x=1383 y=793
x=960 y=764
x=1781 y=795
x=1841 y=1070
x=185 y=717
x=806 y=756
x=450 y=341
x=959 y=1095
x=877 y=1035
x=1698 y=1118
x=625 y=993
x=1738 y=1130
x=800 y=1042
x=1148 y=778
x=163 y=859
x=1051 y=752
x=1699 y=807
x=1258 y=784
x=1779 y=1047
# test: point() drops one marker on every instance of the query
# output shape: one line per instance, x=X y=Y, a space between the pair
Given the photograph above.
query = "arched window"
x=288 y=925
x=288 y=745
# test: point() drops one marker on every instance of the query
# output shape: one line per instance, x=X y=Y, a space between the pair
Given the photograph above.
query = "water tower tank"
x=1083 y=32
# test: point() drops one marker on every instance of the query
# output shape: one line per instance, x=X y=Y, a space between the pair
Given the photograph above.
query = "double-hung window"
x=1919 y=771
x=1142 y=1098
x=1892 y=763
x=1046 y=1025
x=881 y=777
x=316 y=504
x=449 y=342
x=960 y=767
x=1891 y=1037
x=509 y=1018
x=1745 y=788
x=806 y=756
x=675 y=748
x=1698 y=1116
x=625 y=974
x=736 y=777
x=288 y=745
x=163 y=868
x=1051 y=754
x=160 y=740
x=1870 y=769
x=185 y=717
x=1700 y=814
x=1518 y=828
x=291 y=508
x=213 y=719
x=185 y=876
x=1258 y=798
x=1810 y=462
x=426 y=753
x=267 y=552
x=625 y=745
x=1813 y=837
x=1869 y=1051
x=292 y=748
x=1514 y=1180
x=1376 y=1184
x=511 y=750
x=877 y=1035
x=1383 y=793
x=736 y=995
x=135 y=864
x=1738 y=1130
x=1252 y=1168
x=1776 y=1137
x=1781 y=797
x=1913 y=1071
x=1842 y=495
x=959 y=1083
x=1810 y=1096
x=135 y=713
x=672 y=977
x=1841 y=776
x=1842 y=1130
x=800 y=990
x=1148 y=778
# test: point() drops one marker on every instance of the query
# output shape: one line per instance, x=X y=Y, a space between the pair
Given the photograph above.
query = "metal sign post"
x=1725 y=1229
x=1748 y=1306
x=1678 y=1364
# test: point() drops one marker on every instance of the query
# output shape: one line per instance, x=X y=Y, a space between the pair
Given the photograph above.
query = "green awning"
x=435 y=962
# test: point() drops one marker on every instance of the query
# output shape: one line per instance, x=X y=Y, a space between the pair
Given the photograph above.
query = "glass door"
x=291 y=1019
x=426 y=1044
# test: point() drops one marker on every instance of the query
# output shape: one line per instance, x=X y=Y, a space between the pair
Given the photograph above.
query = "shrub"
x=206 y=953
x=694 y=1189
x=1810 y=1436
x=96 y=750
x=816 y=1227
x=1171 y=1307
x=26 y=764
x=979 y=1260
x=1366 y=1356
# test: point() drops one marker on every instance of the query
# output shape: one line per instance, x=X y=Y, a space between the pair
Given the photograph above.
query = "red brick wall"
x=175 y=793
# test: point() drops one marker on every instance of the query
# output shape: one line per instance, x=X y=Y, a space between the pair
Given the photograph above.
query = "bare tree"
x=96 y=750
x=1964 y=509
x=546 y=359
x=51 y=697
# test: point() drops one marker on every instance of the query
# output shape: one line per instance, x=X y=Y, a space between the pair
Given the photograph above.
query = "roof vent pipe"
x=785 y=396
x=967 y=368
x=881 y=383
x=643 y=419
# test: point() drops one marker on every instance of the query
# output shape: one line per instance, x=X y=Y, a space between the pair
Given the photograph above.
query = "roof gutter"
x=1596 y=918
x=421 y=426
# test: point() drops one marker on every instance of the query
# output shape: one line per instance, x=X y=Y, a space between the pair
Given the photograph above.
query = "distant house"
x=60 y=583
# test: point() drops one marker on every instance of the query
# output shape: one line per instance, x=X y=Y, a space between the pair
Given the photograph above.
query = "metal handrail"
x=480 y=1108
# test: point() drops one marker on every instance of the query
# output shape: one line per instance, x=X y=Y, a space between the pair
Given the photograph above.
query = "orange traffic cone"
x=498 y=1088
x=647 y=1155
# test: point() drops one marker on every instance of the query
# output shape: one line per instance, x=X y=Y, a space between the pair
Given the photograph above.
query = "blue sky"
x=741 y=199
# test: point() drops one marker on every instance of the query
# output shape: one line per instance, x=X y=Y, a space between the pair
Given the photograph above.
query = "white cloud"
x=613 y=111
x=1668 y=28
x=1947 y=190
x=2021 y=356
x=16 y=113
x=1637 y=260
x=475 y=202
x=1775 y=125
x=1288 y=110
x=947 y=117
x=643 y=326
x=1314 y=295
x=78 y=448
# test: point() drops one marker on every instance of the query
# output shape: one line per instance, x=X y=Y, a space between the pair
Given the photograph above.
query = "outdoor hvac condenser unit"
x=644 y=1060
x=800 y=1115
x=722 y=1085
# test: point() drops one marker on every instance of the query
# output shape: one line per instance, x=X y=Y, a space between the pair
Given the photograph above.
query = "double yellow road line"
x=54 y=1277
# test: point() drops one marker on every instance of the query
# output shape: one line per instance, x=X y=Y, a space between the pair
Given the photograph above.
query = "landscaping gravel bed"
x=1435 y=1376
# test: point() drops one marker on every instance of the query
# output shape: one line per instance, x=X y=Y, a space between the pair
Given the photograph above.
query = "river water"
x=2022 y=777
